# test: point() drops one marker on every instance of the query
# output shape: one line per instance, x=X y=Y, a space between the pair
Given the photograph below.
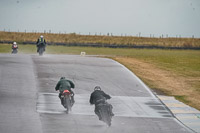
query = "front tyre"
x=41 y=50
x=14 y=51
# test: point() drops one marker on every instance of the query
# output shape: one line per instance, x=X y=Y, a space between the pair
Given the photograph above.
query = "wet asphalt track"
x=29 y=103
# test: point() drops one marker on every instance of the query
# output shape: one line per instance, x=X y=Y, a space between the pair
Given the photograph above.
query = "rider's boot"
x=98 y=114
x=73 y=101
x=111 y=112
x=61 y=101
x=100 y=118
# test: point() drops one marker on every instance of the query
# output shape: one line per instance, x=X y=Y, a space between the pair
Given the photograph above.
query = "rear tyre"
x=105 y=114
x=67 y=103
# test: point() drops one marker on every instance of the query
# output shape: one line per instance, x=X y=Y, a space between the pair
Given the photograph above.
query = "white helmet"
x=41 y=36
x=14 y=43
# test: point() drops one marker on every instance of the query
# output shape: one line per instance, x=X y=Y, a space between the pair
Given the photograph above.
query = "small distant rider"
x=64 y=84
x=41 y=42
x=14 y=45
x=98 y=97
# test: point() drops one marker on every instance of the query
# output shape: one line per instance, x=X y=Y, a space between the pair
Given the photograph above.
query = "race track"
x=30 y=104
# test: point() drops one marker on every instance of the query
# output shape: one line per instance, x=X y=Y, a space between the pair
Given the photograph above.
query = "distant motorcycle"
x=66 y=100
x=105 y=112
x=14 y=51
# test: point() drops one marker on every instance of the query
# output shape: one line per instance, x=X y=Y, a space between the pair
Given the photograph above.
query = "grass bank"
x=101 y=39
x=172 y=72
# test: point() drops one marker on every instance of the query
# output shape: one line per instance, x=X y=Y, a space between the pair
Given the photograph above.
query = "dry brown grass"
x=97 y=39
x=164 y=81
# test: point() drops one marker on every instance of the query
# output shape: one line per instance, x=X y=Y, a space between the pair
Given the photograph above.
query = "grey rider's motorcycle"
x=104 y=109
x=66 y=100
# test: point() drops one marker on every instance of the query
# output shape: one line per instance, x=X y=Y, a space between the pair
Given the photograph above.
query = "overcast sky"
x=130 y=17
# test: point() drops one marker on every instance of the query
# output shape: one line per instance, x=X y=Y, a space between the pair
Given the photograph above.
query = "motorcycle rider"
x=14 y=46
x=99 y=97
x=64 y=84
x=41 y=41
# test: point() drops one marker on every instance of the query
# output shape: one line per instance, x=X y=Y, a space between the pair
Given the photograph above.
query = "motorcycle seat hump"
x=66 y=91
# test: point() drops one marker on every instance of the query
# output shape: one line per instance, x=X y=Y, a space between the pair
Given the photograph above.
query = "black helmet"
x=62 y=78
x=97 y=88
